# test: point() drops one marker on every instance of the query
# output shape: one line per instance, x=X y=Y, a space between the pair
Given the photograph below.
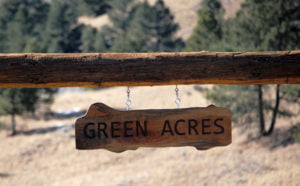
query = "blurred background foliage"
x=258 y=26
x=137 y=26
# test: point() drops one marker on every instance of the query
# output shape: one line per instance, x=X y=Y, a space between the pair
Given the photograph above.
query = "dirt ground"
x=44 y=153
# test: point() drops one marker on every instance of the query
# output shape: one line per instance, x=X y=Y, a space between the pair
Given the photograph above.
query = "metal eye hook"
x=127 y=100
x=177 y=99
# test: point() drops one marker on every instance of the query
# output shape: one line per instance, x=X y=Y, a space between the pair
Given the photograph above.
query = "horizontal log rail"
x=135 y=69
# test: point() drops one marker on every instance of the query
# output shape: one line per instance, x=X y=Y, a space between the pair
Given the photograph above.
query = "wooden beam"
x=134 y=69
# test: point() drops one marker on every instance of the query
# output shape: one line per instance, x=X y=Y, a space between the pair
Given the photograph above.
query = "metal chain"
x=177 y=99
x=127 y=100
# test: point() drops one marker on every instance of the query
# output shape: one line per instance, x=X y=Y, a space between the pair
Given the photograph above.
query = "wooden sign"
x=105 y=128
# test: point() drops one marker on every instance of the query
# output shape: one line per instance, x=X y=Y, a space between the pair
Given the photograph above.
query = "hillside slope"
x=184 y=11
x=45 y=154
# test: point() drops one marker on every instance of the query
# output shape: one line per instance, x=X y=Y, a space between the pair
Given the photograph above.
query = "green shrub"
x=296 y=132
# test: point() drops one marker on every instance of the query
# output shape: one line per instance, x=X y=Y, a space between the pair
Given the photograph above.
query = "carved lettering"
x=103 y=127
x=167 y=128
x=192 y=125
x=141 y=129
x=176 y=127
x=204 y=126
x=88 y=132
x=221 y=131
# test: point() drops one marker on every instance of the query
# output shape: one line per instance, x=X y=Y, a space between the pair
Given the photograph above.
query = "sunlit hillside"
x=184 y=11
x=40 y=150
x=44 y=153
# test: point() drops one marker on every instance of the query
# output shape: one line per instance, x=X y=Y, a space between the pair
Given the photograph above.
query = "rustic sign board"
x=105 y=128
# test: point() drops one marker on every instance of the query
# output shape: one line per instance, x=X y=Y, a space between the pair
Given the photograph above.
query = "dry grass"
x=51 y=159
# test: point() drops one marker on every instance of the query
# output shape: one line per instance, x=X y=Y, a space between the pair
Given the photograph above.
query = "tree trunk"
x=263 y=130
x=275 y=111
x=13 y=124
x=13 y=112
x=261 y=109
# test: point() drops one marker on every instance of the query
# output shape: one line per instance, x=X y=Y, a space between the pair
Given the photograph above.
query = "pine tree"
x=20 y=22
x=104 y=39
x=208 y=33
x=150 y=29
x=165 y=29
x=135 y=35
x=265 y=25
x=261 y=25
x=62 y=32
x=17 y=31
x=119 y=15
x=269 y=25
x=93 y=7
x=73 y=40
x=88 y=39
x=19 y=101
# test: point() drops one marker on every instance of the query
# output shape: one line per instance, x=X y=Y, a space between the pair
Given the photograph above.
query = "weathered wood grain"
x=105 y=128
x=134 y=69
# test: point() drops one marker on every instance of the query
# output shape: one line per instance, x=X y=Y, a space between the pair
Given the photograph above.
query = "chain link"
x=128 y=100
x=177 y=99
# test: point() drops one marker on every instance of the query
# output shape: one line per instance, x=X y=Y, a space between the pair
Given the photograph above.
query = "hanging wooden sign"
x=105 y=128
